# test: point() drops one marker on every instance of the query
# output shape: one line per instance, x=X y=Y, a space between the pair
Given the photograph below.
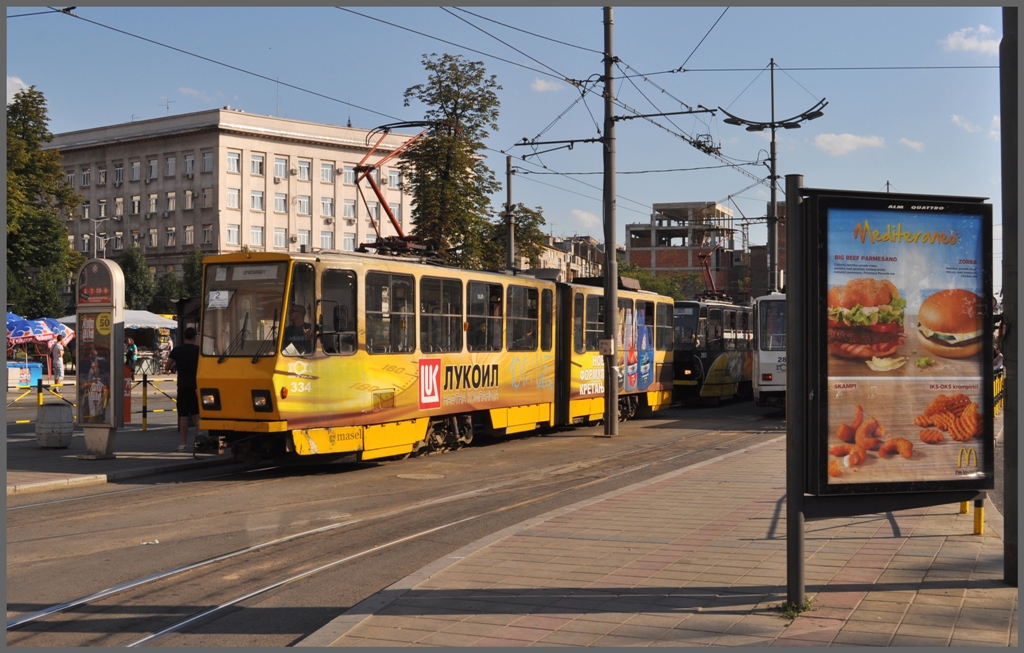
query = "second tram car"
x=364 y=356
x=769 y=374
x=712 y=350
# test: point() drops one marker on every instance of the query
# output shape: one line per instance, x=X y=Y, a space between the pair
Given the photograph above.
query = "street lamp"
x=789 y=123
x=94 y=243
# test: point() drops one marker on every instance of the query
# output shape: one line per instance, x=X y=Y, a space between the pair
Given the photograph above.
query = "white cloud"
x=994 y=128
x=839 y=144
x=586 y=219
x=914 y=145
x=544 y=85
x=963 y=123
x=974 y=39
x=14 y=84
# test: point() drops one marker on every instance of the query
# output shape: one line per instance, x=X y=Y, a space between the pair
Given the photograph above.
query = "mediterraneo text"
x=896 y=234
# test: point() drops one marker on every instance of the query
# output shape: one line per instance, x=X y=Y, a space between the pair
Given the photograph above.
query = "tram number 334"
x=299 y=386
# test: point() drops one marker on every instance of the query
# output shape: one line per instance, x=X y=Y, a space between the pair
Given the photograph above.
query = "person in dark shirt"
x=186 y=360
x=299 y=333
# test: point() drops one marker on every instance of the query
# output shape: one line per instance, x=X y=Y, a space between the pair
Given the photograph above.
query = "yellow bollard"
x=145 y=388
x=965 y=507
x=979 y=516
x=39 y=392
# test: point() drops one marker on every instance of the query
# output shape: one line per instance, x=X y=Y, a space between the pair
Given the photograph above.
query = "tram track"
x=520 y=491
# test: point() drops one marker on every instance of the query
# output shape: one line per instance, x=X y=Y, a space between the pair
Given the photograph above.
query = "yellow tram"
x=370 y=356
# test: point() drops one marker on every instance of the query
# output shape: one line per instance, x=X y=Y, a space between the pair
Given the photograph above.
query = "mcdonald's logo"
x=964 y=457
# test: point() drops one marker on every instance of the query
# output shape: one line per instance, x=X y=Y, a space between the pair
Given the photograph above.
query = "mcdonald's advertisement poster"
x=906 y=343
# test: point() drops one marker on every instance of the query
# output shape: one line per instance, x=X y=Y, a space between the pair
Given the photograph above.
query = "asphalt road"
x=377 y=518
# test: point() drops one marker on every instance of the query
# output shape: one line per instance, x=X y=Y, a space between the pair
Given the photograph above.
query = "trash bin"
x=55 y=424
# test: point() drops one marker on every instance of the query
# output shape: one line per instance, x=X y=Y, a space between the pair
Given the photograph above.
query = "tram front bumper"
x=245 y=426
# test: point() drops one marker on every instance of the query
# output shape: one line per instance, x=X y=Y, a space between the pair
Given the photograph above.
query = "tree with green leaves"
x=167 y=291
x=677 y=285
x=40 y=261
x=193 y=269
x=445 y=171
x=528 y=233
x=139 y=287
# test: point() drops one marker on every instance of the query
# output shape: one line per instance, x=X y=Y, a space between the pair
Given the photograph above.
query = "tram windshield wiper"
x=268 y=342
x=238 y=340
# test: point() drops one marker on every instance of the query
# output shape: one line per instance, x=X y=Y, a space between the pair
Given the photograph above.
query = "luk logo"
x=430 y=383
x=964 y=457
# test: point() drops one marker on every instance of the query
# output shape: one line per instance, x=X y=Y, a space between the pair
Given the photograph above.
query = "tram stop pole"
x=796 y=386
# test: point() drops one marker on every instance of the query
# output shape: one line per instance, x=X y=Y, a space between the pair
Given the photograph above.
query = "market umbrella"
x=20 y=332
x=13 y=317
x=61 y=331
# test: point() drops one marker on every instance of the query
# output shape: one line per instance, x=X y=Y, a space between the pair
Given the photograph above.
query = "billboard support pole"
x=796 y=389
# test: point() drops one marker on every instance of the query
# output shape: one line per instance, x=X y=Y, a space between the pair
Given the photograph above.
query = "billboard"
x=904 y=327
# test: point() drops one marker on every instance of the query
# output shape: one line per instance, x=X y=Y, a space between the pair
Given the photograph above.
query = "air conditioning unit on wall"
x=295 y=239
x=328 y=220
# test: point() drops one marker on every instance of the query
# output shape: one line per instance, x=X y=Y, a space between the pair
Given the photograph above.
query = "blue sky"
x=918 y=130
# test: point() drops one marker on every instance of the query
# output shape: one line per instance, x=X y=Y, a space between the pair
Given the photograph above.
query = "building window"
x=172 y=200
x=136 y=204
x=256 y=200
x=118 y=240
x=303 y=204
x=326 y=240
x=256 y=236
x=101 y=209
x=234 y=162
x=153 y=198
x=136 y=238
x=348 y=208
x=152 y=168
x=152 y=271
x=281 y=168
x=70 y=178
x=118 y=206
x=119 y=173
x=280 y=237
x=207 y=161
x=394 y=179
x=190 y=235
x=86 y=176
x=233 y=231
x=85 y=211
x=86 y=238
x=349 y=242
x=304 y=237
x=304 y=170
x=396 y=210
x=234 y=195
x=169 y=237
x=327 y=172
x=190 y=164
x=256 y=165
x=350 y=175
x=373 y=211
x=207 y=234
x=327 y=206
x=281 y=202
x=101 y=176
x=190 y=200
x=207 y=198
x=153 y=238
x=136 y=170
x=171 y=166
x=101 y=242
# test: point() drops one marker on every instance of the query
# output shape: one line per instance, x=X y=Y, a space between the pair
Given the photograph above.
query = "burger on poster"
x=865 y=319
x=950 y=323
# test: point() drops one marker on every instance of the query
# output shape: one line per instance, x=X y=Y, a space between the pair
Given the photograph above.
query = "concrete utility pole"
x=611 y=267
x=511 y=257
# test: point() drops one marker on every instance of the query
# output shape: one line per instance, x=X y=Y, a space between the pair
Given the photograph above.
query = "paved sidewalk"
x=30 y=468
x=698 y=557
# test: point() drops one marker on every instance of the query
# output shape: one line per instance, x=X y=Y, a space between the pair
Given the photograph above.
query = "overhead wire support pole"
x=511 y=225
x=669 y=113
x=611 y=268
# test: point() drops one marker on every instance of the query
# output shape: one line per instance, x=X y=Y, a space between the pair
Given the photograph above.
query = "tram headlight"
x=261 y=401
x=687 y=372
x=210 y=398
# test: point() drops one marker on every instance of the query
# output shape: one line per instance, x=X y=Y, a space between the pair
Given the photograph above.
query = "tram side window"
x=595 y=322
x=298 y=335
x=484 y=316
x=440 y=315
x=663 y=330
x=645 y=339
x=714 y=327
x=626 y=312
x=577 y=324
x=744 y=330
x=522 y=319
x=390 y=313
x=730 y=329
x=338 y=312
x=546 y=316
x=773 y=326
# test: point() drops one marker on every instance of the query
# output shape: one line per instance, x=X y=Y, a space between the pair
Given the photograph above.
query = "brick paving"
x=697 y=557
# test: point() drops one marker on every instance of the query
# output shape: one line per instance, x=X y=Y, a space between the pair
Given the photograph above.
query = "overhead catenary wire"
x=540 y=36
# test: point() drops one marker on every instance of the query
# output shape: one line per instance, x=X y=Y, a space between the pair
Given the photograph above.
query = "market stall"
x=28 y=347
x=152 y=335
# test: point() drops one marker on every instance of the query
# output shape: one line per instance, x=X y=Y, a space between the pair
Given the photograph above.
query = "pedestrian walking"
x=186 y=361
x=57 y=354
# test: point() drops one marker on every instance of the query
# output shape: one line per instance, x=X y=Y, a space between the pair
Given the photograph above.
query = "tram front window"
x=773 y=326
x=685 y=317
x=242 y=308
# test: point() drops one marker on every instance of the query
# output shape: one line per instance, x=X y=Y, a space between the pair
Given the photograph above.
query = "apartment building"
x=222 y=180
x=565 y=259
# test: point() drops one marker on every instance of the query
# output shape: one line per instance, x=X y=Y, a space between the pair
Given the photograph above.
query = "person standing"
x=186 y=361
x=131 y=355
x=57 y=354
